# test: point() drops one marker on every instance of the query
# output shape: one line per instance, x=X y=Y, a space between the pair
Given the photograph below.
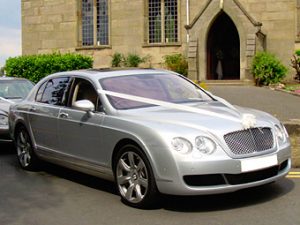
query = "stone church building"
x=218 y=37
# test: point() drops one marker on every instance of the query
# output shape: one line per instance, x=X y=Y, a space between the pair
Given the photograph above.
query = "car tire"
x=25 y=153
x=134 y=178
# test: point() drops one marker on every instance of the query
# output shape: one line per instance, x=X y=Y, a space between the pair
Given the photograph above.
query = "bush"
x=296 y=64
x=35 y=67
x=131 y=60
x=2 y=71
x=117 y=60
x=176 y=63
x=267 y=69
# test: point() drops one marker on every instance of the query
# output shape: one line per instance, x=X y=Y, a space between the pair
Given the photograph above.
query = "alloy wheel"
x=132 y=177
x=24 y=148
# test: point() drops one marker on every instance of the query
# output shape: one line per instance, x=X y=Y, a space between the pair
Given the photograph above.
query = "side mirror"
x=84 y=105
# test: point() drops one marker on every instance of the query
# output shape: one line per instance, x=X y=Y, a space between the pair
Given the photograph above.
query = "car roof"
x=112 y=72
x=11 y=78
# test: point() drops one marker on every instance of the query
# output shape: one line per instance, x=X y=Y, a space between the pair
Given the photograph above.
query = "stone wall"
x=278 y=18
x=49 y=25
x=279 y=24
x=293 y=128
x=52 y=25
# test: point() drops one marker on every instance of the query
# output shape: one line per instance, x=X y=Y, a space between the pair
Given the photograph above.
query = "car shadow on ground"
x=78 y=177
x=242 y=198
x=220 y=202
x=7 y=149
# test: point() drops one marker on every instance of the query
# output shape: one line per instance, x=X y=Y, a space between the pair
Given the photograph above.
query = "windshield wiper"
x=196 y=99
x=14 y=97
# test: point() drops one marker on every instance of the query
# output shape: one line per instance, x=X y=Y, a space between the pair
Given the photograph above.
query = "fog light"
x=181 y=145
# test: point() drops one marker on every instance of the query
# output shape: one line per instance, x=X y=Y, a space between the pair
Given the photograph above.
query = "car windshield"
x=164 y=87
x=15 y=89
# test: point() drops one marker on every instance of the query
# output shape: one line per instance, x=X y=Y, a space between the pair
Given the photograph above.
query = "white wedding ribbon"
x=247 y=120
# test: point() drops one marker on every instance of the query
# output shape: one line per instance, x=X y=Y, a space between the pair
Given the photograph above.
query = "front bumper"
x=224 y=175
x=4 y=134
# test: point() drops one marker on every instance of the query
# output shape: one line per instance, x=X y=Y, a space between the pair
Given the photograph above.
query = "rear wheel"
x=134 y=178
x=25 y=153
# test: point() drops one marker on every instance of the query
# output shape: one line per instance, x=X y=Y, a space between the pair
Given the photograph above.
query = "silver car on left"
x=12 y=90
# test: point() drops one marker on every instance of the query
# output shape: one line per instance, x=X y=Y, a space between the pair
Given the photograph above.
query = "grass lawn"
x=292 y=87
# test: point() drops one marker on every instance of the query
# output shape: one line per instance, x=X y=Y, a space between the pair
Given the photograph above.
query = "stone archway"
x=248 y=29
x=223 y=50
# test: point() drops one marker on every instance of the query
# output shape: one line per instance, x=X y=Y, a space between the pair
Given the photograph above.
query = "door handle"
x=33 y=109
x=64 y=115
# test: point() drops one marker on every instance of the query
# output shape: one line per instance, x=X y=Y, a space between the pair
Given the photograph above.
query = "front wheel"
x=134 y=178
x=25 y=153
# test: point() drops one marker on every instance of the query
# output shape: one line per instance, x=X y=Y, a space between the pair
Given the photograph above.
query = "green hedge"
x=35 y=67
x=267 y=69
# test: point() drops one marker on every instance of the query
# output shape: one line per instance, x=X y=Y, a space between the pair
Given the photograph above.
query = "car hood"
x=4 y=105
x=176 y=119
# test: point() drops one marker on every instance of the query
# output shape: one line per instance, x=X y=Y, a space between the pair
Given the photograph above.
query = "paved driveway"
x=284 y=106
x=58 y=196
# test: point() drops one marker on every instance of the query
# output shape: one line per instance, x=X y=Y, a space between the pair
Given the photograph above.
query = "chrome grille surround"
x=253 y=141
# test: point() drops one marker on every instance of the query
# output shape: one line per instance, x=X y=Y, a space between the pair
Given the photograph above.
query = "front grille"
x=249 y=141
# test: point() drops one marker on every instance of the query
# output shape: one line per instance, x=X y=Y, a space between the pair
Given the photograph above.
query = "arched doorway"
x=223 y=50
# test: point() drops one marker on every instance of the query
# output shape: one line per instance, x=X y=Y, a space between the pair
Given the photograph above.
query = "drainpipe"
x=187 y=19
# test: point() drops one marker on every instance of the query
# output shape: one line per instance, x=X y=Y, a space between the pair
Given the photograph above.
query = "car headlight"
x=205 y=145
x=280 y=134
x=3 y=120
x=181 y=145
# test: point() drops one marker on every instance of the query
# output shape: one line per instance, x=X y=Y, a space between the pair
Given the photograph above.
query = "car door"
x=43 y=113
x=79 y=131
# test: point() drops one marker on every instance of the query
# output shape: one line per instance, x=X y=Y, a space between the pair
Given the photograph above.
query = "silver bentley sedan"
x=150 y=131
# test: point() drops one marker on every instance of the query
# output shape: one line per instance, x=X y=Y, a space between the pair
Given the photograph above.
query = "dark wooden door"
x=223 y=50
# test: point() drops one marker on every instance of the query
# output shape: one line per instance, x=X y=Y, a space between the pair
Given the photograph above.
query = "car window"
x=54 y=91
x=15 y=89
x=84 y=90
x=164 y=87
